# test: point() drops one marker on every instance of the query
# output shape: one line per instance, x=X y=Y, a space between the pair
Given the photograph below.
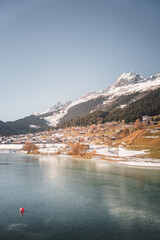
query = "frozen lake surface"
x=66 y=199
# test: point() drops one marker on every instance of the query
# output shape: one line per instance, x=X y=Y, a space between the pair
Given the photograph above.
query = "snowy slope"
x=57 y=107
x=127 y=83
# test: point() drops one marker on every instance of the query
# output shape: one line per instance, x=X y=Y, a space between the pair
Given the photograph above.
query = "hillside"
x=147 y=105
x=28 y=124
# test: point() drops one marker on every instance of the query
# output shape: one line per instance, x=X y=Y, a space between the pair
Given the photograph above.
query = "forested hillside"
x=148 y=105
x=23 y=126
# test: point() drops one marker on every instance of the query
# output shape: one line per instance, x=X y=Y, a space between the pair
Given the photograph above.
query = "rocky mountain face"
x=127 y=90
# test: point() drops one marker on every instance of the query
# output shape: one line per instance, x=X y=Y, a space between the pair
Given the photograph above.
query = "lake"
x=66 y=199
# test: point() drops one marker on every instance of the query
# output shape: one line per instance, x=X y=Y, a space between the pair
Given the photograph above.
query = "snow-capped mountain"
x=128 y=78
x=128 y=84
x=130 y=97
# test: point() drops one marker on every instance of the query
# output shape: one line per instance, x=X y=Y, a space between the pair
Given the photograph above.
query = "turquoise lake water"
x=66 y=199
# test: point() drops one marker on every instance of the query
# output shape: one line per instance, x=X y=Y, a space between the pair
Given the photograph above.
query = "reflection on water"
x=77 y=199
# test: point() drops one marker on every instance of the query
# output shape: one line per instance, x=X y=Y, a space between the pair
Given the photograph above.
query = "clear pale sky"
x=59 y=50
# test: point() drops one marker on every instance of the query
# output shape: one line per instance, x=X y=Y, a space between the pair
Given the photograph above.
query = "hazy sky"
x=59 y=50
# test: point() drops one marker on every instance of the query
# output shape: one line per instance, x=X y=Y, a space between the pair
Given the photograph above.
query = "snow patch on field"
x=125 y=156
x=50 y=148
x=34 y=126
x=117 y=152
x=122 y=106
x=151 y=136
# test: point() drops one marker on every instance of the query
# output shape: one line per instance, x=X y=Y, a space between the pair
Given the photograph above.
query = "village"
x=100 y=134
x=108 y=140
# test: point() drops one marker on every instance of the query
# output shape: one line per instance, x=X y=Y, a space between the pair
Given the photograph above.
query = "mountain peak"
x=127 y=79
x=155 y=76
x=35 y=114
x=58 y=106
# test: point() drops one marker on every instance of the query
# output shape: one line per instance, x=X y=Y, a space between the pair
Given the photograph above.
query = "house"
x=145 y=118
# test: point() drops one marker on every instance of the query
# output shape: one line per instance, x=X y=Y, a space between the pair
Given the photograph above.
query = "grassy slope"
x=144 y=139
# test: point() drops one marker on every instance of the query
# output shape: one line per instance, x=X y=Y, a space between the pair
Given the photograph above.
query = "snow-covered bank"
x=10 y=146
x=42 y=148
x=118 y=155
x=125 y=156
x=142 y=164
x=117 y=152
x=50 y=148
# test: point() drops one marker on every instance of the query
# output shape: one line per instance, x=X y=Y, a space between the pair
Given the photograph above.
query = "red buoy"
x=21 y=210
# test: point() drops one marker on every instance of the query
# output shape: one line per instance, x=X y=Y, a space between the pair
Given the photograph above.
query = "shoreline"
x=132 y=160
